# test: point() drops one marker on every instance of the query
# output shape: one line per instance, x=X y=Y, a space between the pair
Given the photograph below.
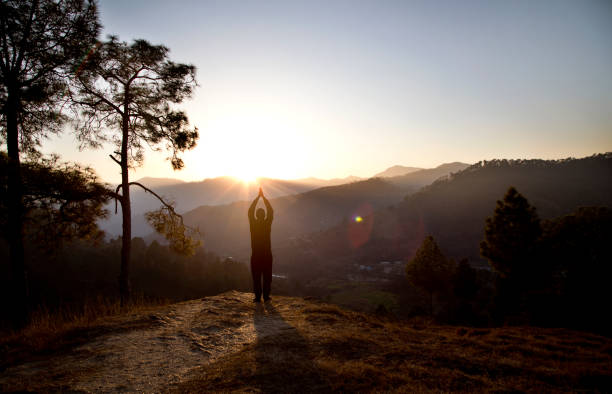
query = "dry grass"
x=326 y=348
x=298 y=345
x=54 y=331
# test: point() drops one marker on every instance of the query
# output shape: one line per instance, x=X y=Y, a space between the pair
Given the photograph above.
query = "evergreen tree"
x=430 y=270
x=511 y=242
x=39 y=42
x=125 y=94
x=61 y=201
x=511 y=236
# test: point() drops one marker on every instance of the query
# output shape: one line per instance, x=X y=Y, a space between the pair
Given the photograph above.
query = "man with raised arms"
x=260 y=223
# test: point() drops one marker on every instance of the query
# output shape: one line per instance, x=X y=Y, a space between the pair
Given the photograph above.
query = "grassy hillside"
x=227 y=343
x=320 y=347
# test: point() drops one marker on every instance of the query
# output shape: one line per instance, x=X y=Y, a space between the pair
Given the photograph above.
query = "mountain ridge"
x=226 y=230
x=225 y=190
x=454 y=209
x=397 y=170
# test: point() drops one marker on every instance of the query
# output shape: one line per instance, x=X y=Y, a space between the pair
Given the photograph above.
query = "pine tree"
x=40 y=41
x=511 y=236
x=61 y=201
x=430 y=270
x=126 y=94
x=511 y=242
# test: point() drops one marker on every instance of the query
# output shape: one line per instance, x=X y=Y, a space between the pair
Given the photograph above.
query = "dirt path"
x=158 y=356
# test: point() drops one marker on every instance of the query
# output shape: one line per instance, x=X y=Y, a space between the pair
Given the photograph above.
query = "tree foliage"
x=62 y=201
x=429 y=269
x=132 y=88
x=165 y=221
x=126 y=95
x=41 y=41
x=511 y=235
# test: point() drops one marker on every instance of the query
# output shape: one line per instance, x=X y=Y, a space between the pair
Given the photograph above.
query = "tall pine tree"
x=40 y=40
x=511 y=236
x=126 y=95
x=511 y=243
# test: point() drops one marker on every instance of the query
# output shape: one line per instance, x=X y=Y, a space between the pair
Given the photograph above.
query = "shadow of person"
x=284 y=359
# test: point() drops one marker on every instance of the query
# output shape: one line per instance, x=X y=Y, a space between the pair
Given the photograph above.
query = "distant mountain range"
x=396 y=171
x=224 y=190
x=189 y=195
x=453 y=210
x=159 y=182
x=225 y=227
x=316 y=182
x=417 y=179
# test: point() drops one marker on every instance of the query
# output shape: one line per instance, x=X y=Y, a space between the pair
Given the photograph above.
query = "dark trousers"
x=261 y=267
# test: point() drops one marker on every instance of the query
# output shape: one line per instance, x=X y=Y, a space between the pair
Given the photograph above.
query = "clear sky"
x=329 y=88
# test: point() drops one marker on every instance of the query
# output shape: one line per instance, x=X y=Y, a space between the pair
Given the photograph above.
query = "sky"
x=292 y=89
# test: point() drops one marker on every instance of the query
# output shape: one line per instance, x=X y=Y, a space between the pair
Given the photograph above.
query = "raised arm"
x=252 y=209
x=270 y=211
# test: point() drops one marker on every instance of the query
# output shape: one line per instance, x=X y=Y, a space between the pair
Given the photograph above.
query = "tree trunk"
x=19 y=284
x=126 y=210
x=126 y=240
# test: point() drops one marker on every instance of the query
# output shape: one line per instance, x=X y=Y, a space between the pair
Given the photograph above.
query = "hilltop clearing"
x=227 y=343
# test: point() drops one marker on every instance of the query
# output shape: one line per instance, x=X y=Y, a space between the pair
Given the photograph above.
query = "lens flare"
x=92 y=50
x=360 y=227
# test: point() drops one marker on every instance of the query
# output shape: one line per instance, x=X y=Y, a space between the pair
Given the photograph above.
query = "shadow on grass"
x=284 y=358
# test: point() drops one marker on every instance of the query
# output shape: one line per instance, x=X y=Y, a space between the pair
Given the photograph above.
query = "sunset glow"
x=247 y=177
x=291 y=91
x=282 y=195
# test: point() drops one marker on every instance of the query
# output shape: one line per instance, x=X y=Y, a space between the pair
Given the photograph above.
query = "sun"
x=246 y=174
x=247 y=178
x=254 y=143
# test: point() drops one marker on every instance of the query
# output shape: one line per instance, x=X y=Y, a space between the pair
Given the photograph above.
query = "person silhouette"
x=260 y=224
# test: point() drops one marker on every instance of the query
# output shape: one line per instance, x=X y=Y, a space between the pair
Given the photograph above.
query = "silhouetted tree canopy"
x=62 y=201
x=511 y=235
x=130 y=89
x=40 y=42
x=126 y=94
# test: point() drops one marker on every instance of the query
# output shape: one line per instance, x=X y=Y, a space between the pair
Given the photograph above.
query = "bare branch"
x=170 y=207
x=115 y=160
x=101 y=97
